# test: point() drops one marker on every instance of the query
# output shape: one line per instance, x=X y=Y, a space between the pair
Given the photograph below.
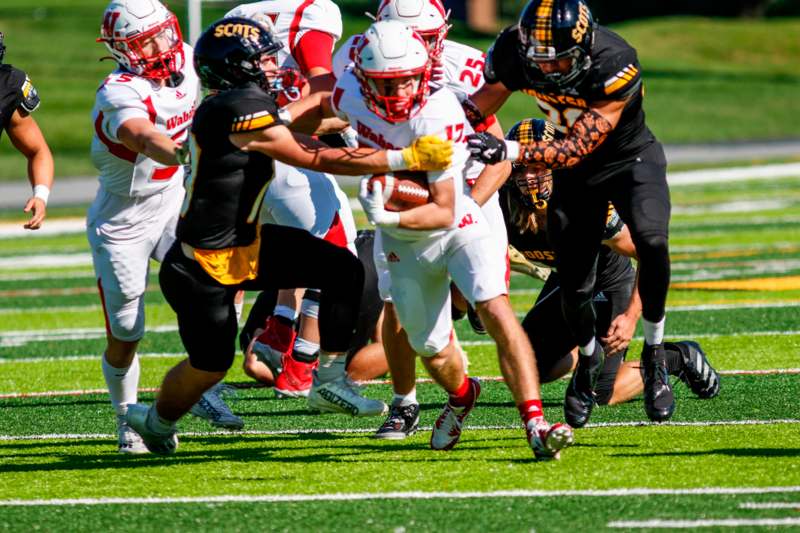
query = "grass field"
x=733 y=461
x=706 y=80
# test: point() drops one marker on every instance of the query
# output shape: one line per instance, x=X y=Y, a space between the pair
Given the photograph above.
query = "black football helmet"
x=2 y=47
x=228 y=53
x=556 y=29
x=531 y=190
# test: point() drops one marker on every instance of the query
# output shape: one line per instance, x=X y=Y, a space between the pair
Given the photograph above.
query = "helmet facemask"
x=533 y=54
x=383 y=100
x=155 y=53
x=529 y=193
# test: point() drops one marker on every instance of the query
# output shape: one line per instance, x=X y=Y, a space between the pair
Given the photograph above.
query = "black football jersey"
x=612 y=268
x=224 y=194
x=16 y=92
x=614 y=74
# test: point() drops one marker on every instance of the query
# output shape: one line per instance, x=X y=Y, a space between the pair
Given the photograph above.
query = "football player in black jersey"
x=220 y=246
x=18 y=99
x=588 y=81
x=524 y=199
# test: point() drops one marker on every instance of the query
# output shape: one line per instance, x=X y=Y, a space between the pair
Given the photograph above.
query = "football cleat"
x=213 y=408
x=697 y=372
x=659 y=401
x=158 y=443
x=343 y=395
x=129 y=441
x=447 y=429
x=276 y=341
x=403 y=421
x=296 y=379
x=475 y=321
x=579 y=398
x=547 y=441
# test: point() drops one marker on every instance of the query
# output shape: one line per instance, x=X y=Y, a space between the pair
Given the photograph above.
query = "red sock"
x=529 y=410
x=464 y=395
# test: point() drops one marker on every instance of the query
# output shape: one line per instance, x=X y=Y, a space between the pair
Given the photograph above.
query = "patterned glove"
x=428 y=153
x=372 y=202
x=487 y=148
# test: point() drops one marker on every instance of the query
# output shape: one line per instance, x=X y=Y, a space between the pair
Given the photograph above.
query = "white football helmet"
x=144 y=37
x=426 y=17
x=391 y=50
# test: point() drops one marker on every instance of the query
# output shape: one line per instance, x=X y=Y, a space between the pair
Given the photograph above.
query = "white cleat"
x=343 y=395
x=547 y=441
x=130 y=442
x=158 y=443
x=213 y=408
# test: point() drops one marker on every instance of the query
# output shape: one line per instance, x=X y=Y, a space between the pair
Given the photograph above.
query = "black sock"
x=305 y=357
x=283 y=320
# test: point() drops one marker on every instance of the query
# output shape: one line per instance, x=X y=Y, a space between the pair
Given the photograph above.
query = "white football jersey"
x=292 y=19
x=124 y=96
x=441 y=116
x=461 y=69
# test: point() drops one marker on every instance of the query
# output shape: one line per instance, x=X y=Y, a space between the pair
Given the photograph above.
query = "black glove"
x=486 y=147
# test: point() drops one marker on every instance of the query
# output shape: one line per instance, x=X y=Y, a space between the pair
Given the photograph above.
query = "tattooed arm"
x=586 y=134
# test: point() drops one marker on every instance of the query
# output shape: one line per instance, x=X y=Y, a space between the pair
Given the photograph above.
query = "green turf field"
x=706 y=80
x=729 y=462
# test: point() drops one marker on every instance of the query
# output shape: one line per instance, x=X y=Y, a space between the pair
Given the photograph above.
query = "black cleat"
x=697 y=372
x=403 y=421
x=659 y=402
x=475 y=321
x=579 y=398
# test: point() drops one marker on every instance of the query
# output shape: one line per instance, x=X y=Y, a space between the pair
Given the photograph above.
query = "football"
x=403 y=190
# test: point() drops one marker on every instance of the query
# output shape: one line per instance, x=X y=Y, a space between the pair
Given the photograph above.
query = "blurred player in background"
x=18 y=99
x=141 y=116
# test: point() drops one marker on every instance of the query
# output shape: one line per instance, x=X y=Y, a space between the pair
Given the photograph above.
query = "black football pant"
x=553 y=340
x=576 y=220
x=289 y=258
x=369 y=310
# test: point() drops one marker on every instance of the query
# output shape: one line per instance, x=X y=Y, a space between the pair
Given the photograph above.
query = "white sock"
x=286 y=312
x=158 y=424
x=653 y=331
x=331 y=367
x=588 y=349
x=122 y=384
x=305 y=347
x=405 y=399
x=238 y=307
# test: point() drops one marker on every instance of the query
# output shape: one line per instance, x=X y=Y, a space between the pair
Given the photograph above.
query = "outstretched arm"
x=26 y=137
x=426 y=153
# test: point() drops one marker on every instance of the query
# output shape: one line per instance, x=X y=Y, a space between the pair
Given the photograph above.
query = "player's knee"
x=655 y=243
x=127 y=326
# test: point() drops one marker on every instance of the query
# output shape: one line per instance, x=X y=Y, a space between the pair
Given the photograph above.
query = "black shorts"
x=289 y=258
x=550 y=335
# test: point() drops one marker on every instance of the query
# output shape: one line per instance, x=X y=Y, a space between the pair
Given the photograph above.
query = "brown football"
x=403 y=190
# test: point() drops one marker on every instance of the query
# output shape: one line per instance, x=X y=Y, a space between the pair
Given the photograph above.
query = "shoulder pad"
x=29 y=96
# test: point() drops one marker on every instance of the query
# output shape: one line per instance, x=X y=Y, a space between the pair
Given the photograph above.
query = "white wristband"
x=42 y=192
x=389 y=219
x=396 y=160
x=285 y=115
x=512 y=150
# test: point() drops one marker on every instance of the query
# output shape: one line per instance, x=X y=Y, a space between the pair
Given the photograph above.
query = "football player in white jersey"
x=308 y=30
x=459 y=68
x=386 y=98
x=141 y=117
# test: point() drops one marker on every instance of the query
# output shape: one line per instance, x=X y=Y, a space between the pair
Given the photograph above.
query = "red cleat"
x=274 y=343
x=296 y=378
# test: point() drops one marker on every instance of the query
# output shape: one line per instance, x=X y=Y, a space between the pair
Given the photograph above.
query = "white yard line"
x=51 y=227
x=692 y=524
x=770 y=505
x=410 y=495
x=370 y=431
x=46 y=260
x=727 y=175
